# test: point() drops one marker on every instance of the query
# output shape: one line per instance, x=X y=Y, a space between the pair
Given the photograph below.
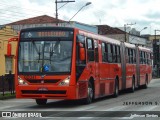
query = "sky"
x=115 y=13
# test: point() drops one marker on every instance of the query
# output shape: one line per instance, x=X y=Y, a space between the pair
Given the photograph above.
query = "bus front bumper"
x=46 y=92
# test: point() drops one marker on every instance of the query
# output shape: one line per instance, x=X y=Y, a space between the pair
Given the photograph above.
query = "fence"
x=7 y=84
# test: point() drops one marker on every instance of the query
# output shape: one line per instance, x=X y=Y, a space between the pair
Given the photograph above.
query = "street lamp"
x=139 y=33
x=142 y=29
x=88 y=3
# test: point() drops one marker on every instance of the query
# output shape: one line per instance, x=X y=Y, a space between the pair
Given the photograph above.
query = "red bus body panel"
x=103 y=73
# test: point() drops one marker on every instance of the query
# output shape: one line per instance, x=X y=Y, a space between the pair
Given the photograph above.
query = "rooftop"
x=36 y=20
x=105 y=29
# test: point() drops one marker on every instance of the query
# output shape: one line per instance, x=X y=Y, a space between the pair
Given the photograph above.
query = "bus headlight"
x=65 y=82
x=21 y=81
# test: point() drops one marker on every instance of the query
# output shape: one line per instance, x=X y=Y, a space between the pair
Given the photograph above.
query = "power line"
x=15 y=12
x=17 y=7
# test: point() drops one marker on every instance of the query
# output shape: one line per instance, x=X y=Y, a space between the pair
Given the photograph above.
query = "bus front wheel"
x=41 y=101
x=90 y=94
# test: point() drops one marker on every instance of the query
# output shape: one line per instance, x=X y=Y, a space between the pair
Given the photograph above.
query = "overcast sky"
x=115 y=13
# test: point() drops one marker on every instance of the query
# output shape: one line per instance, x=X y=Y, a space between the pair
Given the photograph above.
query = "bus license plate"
x=42 y=89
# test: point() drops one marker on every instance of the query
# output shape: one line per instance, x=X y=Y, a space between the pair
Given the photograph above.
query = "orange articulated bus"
x=69 y=63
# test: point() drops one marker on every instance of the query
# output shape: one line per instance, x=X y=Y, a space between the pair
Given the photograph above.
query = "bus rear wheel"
x=41 y=101
x=145 y=86
x=133 y=86
x=116 y=89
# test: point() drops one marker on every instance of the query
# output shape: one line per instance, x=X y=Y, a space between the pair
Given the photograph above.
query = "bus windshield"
x=49 y=56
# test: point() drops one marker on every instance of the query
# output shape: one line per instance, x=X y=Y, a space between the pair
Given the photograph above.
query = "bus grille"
x=43 y=92
x=44 y=81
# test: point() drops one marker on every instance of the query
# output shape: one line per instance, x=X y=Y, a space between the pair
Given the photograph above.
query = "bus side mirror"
x=8 y=49
x=82 y=54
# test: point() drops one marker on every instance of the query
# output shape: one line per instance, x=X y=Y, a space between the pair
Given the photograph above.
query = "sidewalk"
x=7 y=95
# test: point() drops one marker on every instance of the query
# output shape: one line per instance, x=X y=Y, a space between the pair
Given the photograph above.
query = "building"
x=111 y=32
x=7 y=62
x=47 y=21
x=131 y=36
x=155 y=41
x=39 y=21
x=139 y=40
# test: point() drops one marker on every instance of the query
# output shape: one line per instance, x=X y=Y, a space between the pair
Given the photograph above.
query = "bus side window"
x=114 y=54
x=134 y=57
x=127 y=56
x=145 y=58
x=141 y=58
x=118 y=54
x=96 y=55
x=131 y=56
x=90 y=49
x=150 y=58
x=110 y=53
x=104 y=52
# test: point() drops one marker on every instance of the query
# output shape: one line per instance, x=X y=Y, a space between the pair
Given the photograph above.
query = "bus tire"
x=41 y=101
x=133 y=85
x=116 y=89
x=145 y=86
x=90 y=94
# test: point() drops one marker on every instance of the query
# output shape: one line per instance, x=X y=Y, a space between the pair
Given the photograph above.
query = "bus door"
x=123 y=65
x=96 y=69
x=137 y=66
x=92 y=62
x=96 y=58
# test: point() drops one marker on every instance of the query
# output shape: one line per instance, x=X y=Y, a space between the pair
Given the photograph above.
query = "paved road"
x=145 y=101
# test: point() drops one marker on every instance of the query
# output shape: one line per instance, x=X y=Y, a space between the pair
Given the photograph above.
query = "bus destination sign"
x=44 y=34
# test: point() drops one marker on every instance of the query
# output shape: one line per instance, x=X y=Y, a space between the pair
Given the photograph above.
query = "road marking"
x=85 y=117
x=124 y=118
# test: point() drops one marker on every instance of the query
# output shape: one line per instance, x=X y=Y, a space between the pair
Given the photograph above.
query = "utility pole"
x=157 y=54
x=61 y=1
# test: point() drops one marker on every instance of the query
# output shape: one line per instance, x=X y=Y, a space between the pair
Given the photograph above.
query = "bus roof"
x=144 y=49
x=88 y=34
x=99 y=37
x=47 y=28
x=129 y=45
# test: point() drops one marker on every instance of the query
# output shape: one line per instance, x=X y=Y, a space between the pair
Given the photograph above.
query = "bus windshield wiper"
x=52 y=49
x=51 y=53
x=38 y=51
